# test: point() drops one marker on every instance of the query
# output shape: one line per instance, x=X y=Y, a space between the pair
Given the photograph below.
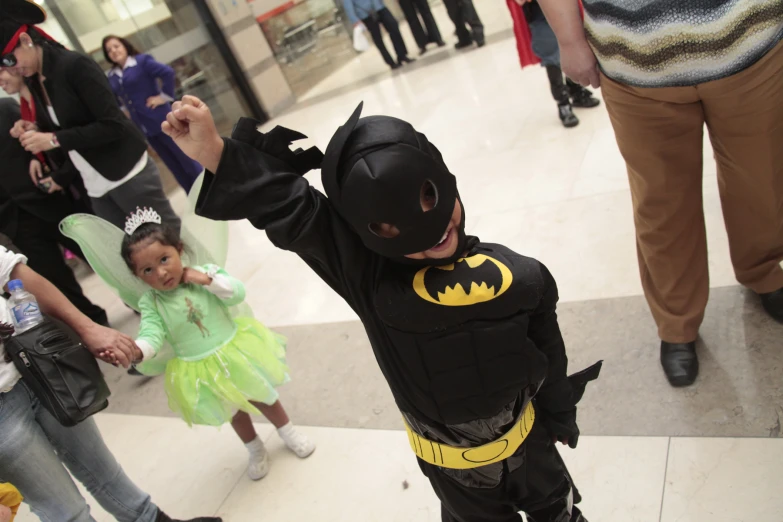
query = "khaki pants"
x=660 y=134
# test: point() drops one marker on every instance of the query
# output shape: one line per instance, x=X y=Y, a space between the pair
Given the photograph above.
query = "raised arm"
x=576 y=57
x=256 y=177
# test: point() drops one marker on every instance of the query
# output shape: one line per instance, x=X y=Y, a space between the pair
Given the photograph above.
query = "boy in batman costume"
x=465 y=332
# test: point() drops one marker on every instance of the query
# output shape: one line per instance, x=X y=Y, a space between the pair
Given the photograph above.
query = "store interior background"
x=310 y=42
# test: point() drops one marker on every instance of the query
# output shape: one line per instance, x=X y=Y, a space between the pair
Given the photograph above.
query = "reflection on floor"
x=651 y=453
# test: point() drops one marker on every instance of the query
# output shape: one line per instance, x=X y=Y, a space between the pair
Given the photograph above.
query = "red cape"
x=522 y=34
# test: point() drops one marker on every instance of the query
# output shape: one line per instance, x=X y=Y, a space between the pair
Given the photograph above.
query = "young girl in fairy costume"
x=221 y=365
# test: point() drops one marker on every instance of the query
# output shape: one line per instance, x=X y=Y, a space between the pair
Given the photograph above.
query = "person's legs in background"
x=393 y=28
x=454 y=9
x=471 y=17
x=415 y=25
x=433 y=32
x=374 y=28
x=743 y=114
x=184 y=169
x=660 y=135
x=28 y=460
x=39 y=241
x=545 y=47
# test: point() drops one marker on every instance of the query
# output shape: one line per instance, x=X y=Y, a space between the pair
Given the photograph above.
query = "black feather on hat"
x=22 y=11
x=16 y=13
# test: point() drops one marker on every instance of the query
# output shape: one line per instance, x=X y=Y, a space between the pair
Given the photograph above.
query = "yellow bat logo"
x=471 y=280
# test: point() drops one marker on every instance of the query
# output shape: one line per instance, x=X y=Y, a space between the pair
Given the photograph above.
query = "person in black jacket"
x=465 y=332
x=31 y=217
x=77 y=113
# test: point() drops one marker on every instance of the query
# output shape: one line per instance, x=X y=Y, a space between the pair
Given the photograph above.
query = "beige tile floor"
x=361 y=475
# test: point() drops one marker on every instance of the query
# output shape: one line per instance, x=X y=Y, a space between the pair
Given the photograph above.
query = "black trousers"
x=413 y=9
x=463 y=14
x=39 y=240
x=385 y=18
x=540 y=486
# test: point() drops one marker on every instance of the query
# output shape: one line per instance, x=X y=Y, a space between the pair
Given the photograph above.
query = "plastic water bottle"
x=23 y=308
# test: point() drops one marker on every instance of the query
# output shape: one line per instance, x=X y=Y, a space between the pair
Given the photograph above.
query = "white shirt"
x=97 y=186
x=131 y=62
x=9 y=375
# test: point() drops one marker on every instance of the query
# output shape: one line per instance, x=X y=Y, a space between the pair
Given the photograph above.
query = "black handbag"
x=60 y=371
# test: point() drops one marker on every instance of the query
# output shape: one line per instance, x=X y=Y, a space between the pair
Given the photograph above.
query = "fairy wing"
x=100 y=242
x=206 y=241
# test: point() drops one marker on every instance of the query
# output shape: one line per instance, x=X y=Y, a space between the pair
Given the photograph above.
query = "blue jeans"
x=544 y=41
x=35 y=450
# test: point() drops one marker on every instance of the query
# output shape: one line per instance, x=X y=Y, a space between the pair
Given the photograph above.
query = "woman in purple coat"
x=145 y=88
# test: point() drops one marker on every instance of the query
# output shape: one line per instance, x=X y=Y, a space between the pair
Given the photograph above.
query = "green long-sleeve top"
x=194 y=319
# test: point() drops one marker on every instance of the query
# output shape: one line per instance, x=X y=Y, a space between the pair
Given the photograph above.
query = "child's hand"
x=108 y=357
x=194 y=276
x=192 y=128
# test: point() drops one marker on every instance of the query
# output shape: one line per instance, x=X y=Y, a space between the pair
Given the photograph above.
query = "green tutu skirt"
x=248 y=368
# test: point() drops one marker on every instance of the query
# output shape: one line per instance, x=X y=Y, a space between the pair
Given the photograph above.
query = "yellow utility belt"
x=467 y=458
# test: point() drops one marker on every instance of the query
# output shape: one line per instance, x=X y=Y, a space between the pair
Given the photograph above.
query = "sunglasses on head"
x=8 y=60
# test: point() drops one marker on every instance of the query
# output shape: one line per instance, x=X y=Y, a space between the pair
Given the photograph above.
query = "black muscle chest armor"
x=460 y=333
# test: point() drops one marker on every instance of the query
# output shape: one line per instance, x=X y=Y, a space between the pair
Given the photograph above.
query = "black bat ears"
x=277 y=143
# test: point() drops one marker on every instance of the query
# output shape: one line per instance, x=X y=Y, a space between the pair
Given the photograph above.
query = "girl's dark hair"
x=148 y=232
x=132 y=51
x=40 y=40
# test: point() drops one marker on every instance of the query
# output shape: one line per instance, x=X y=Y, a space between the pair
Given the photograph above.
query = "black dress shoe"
x=584 y=99
x=406 y=59
x=567 y=115
x=773 y=304
x=441 y=43
x=422 y=51
x=463 y=44
x=680 y=363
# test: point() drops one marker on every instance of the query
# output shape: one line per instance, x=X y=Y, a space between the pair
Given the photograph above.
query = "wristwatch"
x=54 y=142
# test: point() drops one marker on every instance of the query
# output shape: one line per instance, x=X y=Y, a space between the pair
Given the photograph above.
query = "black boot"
x=581 y=97
x=567 y=116
x=773 y=304
x=163 y=517
x=680 y=363
x=560 y=94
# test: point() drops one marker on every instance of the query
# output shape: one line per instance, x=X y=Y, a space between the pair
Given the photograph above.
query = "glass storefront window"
x=309 y=40
x=171 y=31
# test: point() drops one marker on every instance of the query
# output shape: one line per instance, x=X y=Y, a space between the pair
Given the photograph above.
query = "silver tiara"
x=140 y=217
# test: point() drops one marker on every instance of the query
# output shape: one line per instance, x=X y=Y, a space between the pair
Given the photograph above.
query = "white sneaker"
x=299 y=444
x=258 y=465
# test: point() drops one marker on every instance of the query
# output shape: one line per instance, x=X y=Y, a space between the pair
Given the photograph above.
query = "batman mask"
x=375 y=171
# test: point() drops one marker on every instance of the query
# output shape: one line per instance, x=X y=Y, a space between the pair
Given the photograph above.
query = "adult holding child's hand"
x=191 y=126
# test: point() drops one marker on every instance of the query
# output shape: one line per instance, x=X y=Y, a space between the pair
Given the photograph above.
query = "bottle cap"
x=16 y=284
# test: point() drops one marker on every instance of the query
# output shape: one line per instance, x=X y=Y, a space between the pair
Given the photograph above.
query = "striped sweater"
x=670 y=43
